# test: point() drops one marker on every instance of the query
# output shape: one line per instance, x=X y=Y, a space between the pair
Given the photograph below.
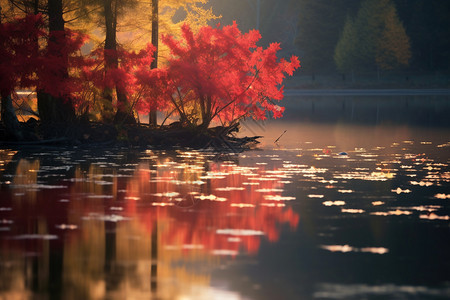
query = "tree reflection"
x=156 y=228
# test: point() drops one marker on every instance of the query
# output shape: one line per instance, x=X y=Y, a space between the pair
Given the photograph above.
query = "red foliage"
x=155 y=89
x=124 y=74
x=19 y=52
x=24 y=64
x=220 y=73
x=216 y=74
x=61 y=56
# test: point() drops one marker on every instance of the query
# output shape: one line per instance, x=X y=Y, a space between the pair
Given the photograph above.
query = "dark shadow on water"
x=428 y=111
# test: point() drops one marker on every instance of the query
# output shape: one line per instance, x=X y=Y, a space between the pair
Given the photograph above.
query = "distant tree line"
x=358 y=35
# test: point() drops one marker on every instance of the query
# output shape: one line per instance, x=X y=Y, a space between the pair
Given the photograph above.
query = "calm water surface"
x=351 y=208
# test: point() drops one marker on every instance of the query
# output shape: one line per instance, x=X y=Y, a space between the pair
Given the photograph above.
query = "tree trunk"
x=110 y=44
x=56 y=109
x=206 y=110
x=123 y=114
x=152 y=118
x=154 y=258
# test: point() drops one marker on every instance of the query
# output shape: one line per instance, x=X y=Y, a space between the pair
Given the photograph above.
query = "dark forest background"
x=311 y=29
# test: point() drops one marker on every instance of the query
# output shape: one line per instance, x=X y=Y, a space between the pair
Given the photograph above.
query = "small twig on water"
x=280 y=137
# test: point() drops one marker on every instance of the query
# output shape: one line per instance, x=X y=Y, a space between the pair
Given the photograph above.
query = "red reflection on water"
x=72 y=236
x=231 y=210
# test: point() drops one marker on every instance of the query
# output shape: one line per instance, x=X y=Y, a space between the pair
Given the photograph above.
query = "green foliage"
x=346 y=48
x=393 y=49
x=321 y=23
x=375 y=40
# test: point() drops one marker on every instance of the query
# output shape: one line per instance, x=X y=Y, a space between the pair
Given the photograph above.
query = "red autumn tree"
x=154 y=88
x=60 y=65
x=122 y=76
x=18 y=63
x=221 y=74
x=24 y=64
x=18 y=53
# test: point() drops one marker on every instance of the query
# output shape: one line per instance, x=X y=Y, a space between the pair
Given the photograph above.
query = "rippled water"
x=331 y=211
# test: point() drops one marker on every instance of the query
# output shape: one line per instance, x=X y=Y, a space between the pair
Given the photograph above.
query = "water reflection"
x=129 y=227
x=121 y=223
x=428 y=111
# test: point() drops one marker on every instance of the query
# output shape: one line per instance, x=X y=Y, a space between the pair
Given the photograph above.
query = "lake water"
x=352 y=202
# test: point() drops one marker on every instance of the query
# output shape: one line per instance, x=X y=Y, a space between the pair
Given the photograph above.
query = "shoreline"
x=371 y=81
x=100 y=135
x=367 y=92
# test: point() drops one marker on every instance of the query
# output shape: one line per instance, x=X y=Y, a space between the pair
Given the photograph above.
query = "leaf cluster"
x=213 y=74
x=220 y=73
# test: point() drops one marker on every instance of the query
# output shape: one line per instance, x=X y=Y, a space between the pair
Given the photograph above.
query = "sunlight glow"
x=347 y=248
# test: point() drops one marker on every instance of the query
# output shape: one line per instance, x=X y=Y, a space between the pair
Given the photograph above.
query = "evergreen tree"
x=346 y=48
x=378 y=39
x=393 y=49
